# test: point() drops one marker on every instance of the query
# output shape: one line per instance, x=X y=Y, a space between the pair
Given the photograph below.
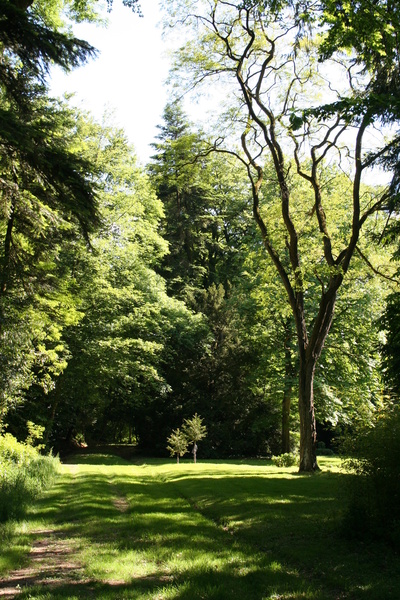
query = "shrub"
x=322 y=450
x=374 y=494
x=285 y=460
x=24 y=474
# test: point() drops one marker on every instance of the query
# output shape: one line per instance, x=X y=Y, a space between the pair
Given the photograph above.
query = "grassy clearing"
x=217 y=531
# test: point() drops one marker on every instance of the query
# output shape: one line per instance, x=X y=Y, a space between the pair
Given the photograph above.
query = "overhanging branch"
x=374 y=269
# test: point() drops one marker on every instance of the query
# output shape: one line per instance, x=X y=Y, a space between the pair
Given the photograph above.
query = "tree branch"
x=374 y=270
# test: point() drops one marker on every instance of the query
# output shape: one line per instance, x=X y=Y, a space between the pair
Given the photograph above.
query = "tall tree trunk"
x=7 y=251
x=309 y=352
x=53 y=405
x=5 y=262
x=308 y=428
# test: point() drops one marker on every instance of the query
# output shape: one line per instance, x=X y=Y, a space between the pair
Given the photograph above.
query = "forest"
x=248 y=273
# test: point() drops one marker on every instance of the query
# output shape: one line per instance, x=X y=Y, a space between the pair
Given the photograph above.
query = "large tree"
x=267 y=57
x=47 y=202
x=210 y=230
x=347 y=379
x=114 y=387
x=46 y=194
x=204 y=205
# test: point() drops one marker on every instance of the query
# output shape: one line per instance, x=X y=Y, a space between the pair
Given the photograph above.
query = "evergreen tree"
x=391 y=347
x=42 y=209
x=207 y=224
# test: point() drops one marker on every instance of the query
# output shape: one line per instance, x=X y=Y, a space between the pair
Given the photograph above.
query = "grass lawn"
x=215 y=530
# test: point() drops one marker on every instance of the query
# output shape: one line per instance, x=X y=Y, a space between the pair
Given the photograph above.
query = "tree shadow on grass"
x=197 y=537
x=299 y=521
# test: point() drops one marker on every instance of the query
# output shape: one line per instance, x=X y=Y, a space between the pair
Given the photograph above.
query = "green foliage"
x=47 y=203
x=322 y=450
x=194 y=429
x=374 y=496
x=369 y=27
x=177 y=443
x=210 y=232
x=390 y=348
x=368 y=30
x=285 y=460
x=35 y=434
x=204 y=204
x=35 y=45
x=47 y=197
x=257 y=50
x=41 y=142
x=24 y=475
x=131 y=334
x=99 y=344
x=192 y=432
x=35 y=154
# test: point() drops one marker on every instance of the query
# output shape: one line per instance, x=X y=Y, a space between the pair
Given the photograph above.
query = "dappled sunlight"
x=211 y=530
x=160 y=542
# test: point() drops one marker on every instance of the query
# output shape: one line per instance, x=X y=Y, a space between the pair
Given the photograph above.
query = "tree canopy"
x=270 y=60
x=207 y=282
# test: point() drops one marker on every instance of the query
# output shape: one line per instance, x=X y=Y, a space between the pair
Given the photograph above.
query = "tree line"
x=248 y=273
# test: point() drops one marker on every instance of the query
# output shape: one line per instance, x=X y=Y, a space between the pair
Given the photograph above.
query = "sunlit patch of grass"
x=214 y=530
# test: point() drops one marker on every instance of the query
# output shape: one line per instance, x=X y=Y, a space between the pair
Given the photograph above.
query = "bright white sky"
x=127 y=76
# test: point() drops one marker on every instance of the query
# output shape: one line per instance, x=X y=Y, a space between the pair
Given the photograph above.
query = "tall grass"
x=24 y=474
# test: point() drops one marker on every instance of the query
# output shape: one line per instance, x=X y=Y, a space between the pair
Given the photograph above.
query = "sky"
x=127 y=77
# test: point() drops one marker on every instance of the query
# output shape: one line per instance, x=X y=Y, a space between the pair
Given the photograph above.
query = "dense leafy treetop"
x=194 y=429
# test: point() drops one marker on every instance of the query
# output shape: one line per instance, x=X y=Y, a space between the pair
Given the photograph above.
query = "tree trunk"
x=287 y=392
x=54 y=401
x=5 y=262
x=308 y=429
x=286 y=420
x=7 y=250
x=309 y=353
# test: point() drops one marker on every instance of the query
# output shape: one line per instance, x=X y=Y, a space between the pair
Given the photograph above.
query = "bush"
x=285 y=460
x=24 y=474
x=322 y=450
x=374 y=494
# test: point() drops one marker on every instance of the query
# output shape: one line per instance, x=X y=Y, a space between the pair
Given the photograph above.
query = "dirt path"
x=51 y=562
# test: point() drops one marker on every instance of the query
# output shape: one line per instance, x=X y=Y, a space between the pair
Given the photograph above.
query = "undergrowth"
x=24 y=475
